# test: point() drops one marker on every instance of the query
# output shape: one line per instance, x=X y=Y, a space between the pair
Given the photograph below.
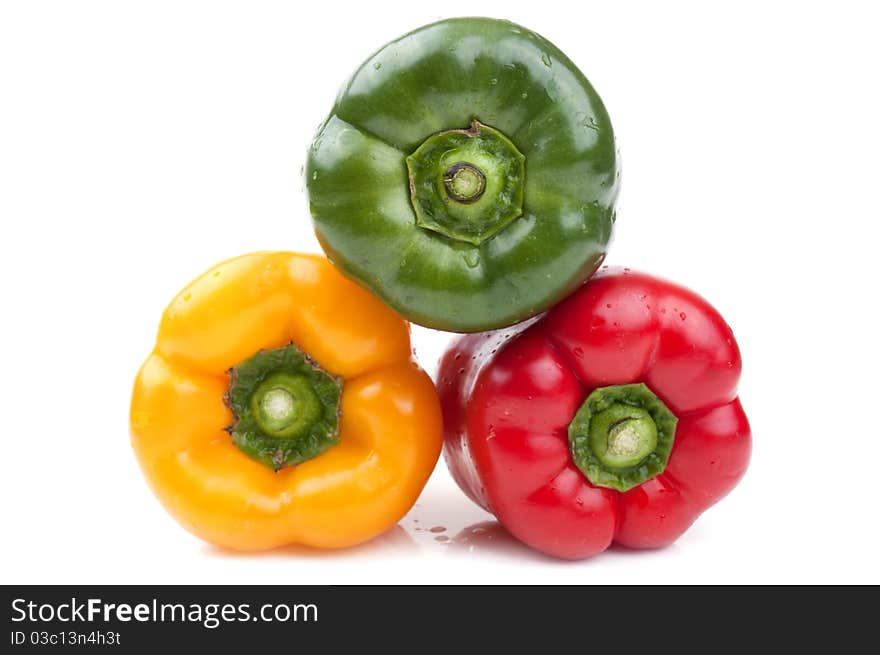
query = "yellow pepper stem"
x=286 y=407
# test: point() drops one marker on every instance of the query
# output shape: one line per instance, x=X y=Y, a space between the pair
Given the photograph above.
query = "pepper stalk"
x=621 y=436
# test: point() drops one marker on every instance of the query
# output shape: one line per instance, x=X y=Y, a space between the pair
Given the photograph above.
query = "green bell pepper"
x=467 y=174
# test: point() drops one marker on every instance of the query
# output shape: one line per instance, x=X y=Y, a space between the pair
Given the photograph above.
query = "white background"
x=140 y=143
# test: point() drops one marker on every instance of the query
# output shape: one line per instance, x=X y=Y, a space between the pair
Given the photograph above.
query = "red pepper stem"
x=621 y=436
x=631 y=436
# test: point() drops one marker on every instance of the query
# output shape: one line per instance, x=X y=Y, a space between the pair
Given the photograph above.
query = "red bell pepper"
x=614 y=418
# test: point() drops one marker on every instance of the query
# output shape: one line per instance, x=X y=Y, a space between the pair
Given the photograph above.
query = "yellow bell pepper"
x=281 y=405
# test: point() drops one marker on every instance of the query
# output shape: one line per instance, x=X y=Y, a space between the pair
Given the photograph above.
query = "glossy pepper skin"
x=509 y=398
x=375 y=460
x=384 y=175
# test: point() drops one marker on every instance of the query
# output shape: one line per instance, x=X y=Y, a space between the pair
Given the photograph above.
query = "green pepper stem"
x=621 y=436
x=464 y=182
